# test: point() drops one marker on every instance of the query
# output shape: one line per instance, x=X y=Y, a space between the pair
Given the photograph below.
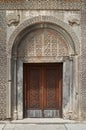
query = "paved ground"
x=42 y=124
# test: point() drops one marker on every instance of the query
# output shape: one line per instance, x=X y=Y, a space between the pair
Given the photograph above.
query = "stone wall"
x=10 y=19
x=3 y=65
x=83 y=63
x=16 y=17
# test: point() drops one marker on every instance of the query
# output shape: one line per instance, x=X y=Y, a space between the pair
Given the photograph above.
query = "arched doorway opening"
x=42 y=81
x=43 y=43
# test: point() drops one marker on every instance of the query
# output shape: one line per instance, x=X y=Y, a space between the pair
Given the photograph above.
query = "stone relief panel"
x=13 y=18
x=42 y=43
x=72 y=18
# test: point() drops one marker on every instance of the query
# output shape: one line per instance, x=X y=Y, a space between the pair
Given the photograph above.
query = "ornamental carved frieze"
x=42 y=43
x=43 y=4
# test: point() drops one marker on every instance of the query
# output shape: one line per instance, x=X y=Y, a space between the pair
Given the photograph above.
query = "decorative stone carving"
x=31 y=51
x=3 y=66
x=13 y=18
x=43 y=43
x=74 y=20
x=73 y=41
x=82 y=66
x=43 y=4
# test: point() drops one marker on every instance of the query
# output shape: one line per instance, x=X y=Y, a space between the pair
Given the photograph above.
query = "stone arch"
x=29 y=25
x=64 y=29
x=40 y=43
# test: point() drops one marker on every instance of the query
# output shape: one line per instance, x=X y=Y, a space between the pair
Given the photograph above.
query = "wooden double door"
x=42 y=90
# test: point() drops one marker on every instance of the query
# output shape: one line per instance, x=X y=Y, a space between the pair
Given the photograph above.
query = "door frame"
x=67 y=87
x=14 y=106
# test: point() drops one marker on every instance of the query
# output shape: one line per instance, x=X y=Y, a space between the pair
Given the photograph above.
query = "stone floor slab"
x=42 y=121
x=42 y=126
x=9 y=127
x=2 y=126
x=39 y=127
x=75 y=126
x=34 y=127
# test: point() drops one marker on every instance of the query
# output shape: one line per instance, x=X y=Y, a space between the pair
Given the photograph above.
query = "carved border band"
x=44 y=4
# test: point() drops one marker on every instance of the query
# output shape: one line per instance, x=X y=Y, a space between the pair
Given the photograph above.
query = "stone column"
x=71 y=87
x=15 y=89
x=76 y=87
x=9 y=87
x=20 y=89
x=67 y=89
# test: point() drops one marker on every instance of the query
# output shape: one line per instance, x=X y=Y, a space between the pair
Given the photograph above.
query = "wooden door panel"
x=33 y=101
x=34 y=89
x=43 y=90
x=51 y=85
x=51 y=105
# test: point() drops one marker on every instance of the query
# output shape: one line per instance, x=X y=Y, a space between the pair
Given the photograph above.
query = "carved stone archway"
x=63 y=28
x=66 y=37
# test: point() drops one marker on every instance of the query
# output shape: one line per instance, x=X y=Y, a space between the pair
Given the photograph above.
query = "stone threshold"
x=43 y=121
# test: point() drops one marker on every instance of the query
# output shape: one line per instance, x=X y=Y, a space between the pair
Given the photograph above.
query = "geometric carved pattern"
x=42 y=42
x=42 y=4
x=51 y=84
x=82 y=65
x=43 y=88
x=34 y=102
x=3 y=66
